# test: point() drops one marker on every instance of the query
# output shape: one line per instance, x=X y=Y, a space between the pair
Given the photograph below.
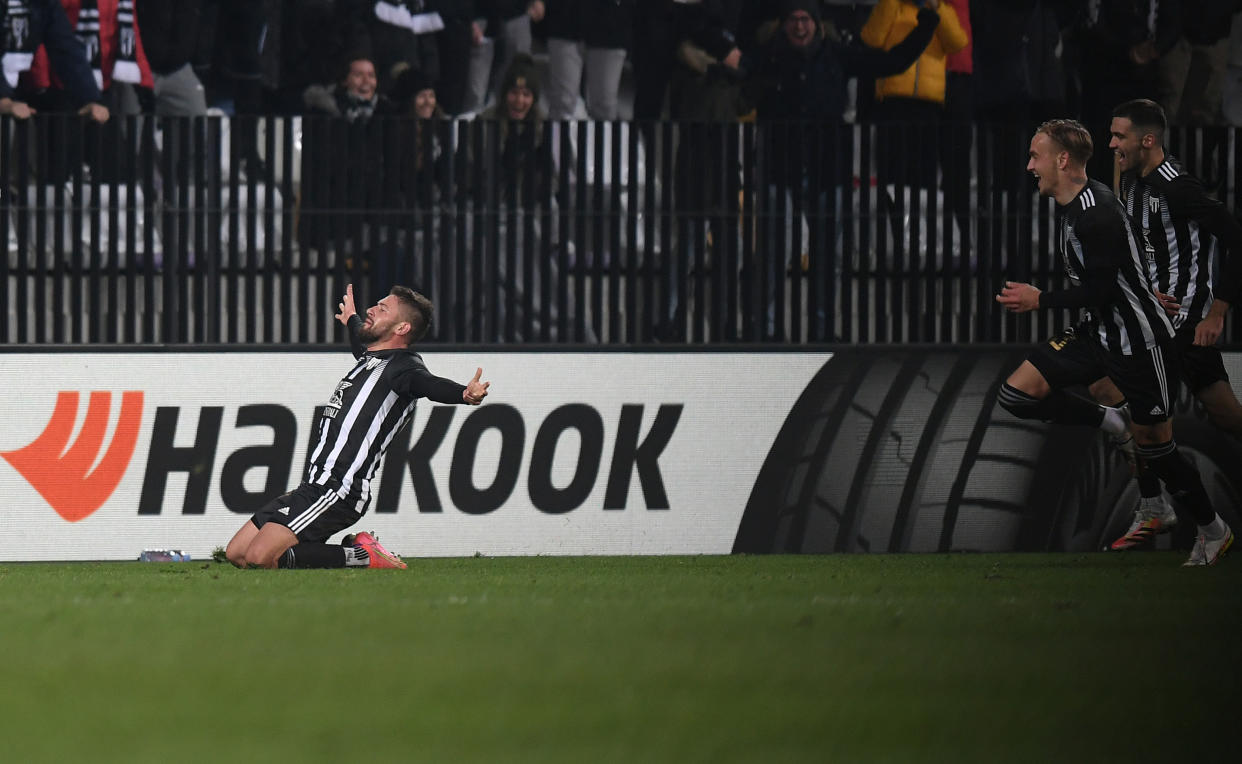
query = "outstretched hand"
x=345 y=310
x=475 y=390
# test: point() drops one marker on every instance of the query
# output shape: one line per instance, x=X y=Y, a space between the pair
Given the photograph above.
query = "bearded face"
x=383 y=321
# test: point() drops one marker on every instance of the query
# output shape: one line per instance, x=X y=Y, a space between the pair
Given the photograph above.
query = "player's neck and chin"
x=1151 y=161
x=392 y=343
x=1069 y=188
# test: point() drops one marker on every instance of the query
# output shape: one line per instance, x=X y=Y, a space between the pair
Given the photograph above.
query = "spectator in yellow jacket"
x=912 y=103
x=889 y=23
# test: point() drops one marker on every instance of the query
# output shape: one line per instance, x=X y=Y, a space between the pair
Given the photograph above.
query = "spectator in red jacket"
x=41 y=25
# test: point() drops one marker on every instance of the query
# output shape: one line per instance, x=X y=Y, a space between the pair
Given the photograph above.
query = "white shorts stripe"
x=1157 y=357
x=320 y=506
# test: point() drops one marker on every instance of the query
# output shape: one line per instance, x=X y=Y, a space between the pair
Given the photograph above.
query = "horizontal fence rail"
x=245 y=230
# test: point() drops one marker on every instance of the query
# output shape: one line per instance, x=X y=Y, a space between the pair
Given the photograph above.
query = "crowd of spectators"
x=917 y=68
x=688 y=59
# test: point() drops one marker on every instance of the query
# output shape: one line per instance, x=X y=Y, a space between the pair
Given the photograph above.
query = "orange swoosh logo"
x=61 y=475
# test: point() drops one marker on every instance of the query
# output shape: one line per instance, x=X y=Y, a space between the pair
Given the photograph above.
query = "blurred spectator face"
x=518 y=100
x=800 y=29
x=425 y=103
x=361 y=82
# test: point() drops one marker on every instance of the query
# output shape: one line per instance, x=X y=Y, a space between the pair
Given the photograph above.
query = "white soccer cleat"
x=1209 y=551
x=1153 y=517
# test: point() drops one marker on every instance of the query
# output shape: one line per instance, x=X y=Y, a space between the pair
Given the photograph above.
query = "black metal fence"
x=246 y=230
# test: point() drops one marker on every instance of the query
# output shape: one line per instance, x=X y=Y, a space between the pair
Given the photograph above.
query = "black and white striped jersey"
x=1176 y=224
x=1107 y=274
x=370 y=406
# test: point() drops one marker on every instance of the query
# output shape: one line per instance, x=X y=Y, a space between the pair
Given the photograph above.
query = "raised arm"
x=871 y=60
x=348 y=317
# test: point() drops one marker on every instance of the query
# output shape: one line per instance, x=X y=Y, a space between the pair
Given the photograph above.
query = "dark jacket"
x=170 y=31
x=521 y=174
x=597 y=23
x=388 y=44
x=1019 y=60
x=801 y=95
x=50 y=27
x=422 y=162
x=496 y=12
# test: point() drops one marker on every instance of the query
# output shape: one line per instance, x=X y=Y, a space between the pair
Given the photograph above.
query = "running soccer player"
x=369 y=406
x=1124 y=333
x=1175 y=221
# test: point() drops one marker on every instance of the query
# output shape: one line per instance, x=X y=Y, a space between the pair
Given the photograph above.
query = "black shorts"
x=1201 y=366
x=1147 y=379
x=312 y=512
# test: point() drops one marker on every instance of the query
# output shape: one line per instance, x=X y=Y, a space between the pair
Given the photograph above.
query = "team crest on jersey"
x=373 y=363
x=1154 y=204
x=337 y=400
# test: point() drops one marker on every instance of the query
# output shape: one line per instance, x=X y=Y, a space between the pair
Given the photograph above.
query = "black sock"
x=309 y=554
x=1064 y=408
x=1182 y=479
x=1149 y=483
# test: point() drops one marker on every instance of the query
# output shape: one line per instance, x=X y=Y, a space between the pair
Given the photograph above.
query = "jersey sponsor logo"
x=283 y=511
x=67 y=475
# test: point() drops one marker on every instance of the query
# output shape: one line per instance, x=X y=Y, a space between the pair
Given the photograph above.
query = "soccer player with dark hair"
x=1124 y=333
x=1175 y=221
x=369 y=406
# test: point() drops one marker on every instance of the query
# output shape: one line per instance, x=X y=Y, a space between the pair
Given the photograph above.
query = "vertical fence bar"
x=725 y=322
x=619 y=264
x=22 y=138
x=207 y=223
x=596 y=217
x=56 y=255
x=458 y=247
x=274 y=331
x=744 y=305
x=75 y=267
x=613 y=326
x=869 y=246
x=522 y=243
x=475 y=254
x=40 y=218
x=202 y=261
x=578 y=299
x=790 y=268
x=288 y=221
x=169 y=283
x=652 y=253
x=8 y=191
x=930 y=256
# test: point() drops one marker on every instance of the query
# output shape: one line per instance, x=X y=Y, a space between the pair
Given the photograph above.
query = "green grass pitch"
x=961 y=658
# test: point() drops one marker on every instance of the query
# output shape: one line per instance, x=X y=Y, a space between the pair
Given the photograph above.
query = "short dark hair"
x=1071 y=135
x=347 y=63
x=1145 y=115
x=421 y=311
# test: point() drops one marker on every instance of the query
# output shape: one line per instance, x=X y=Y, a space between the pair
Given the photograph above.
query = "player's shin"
x=1181 y=476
